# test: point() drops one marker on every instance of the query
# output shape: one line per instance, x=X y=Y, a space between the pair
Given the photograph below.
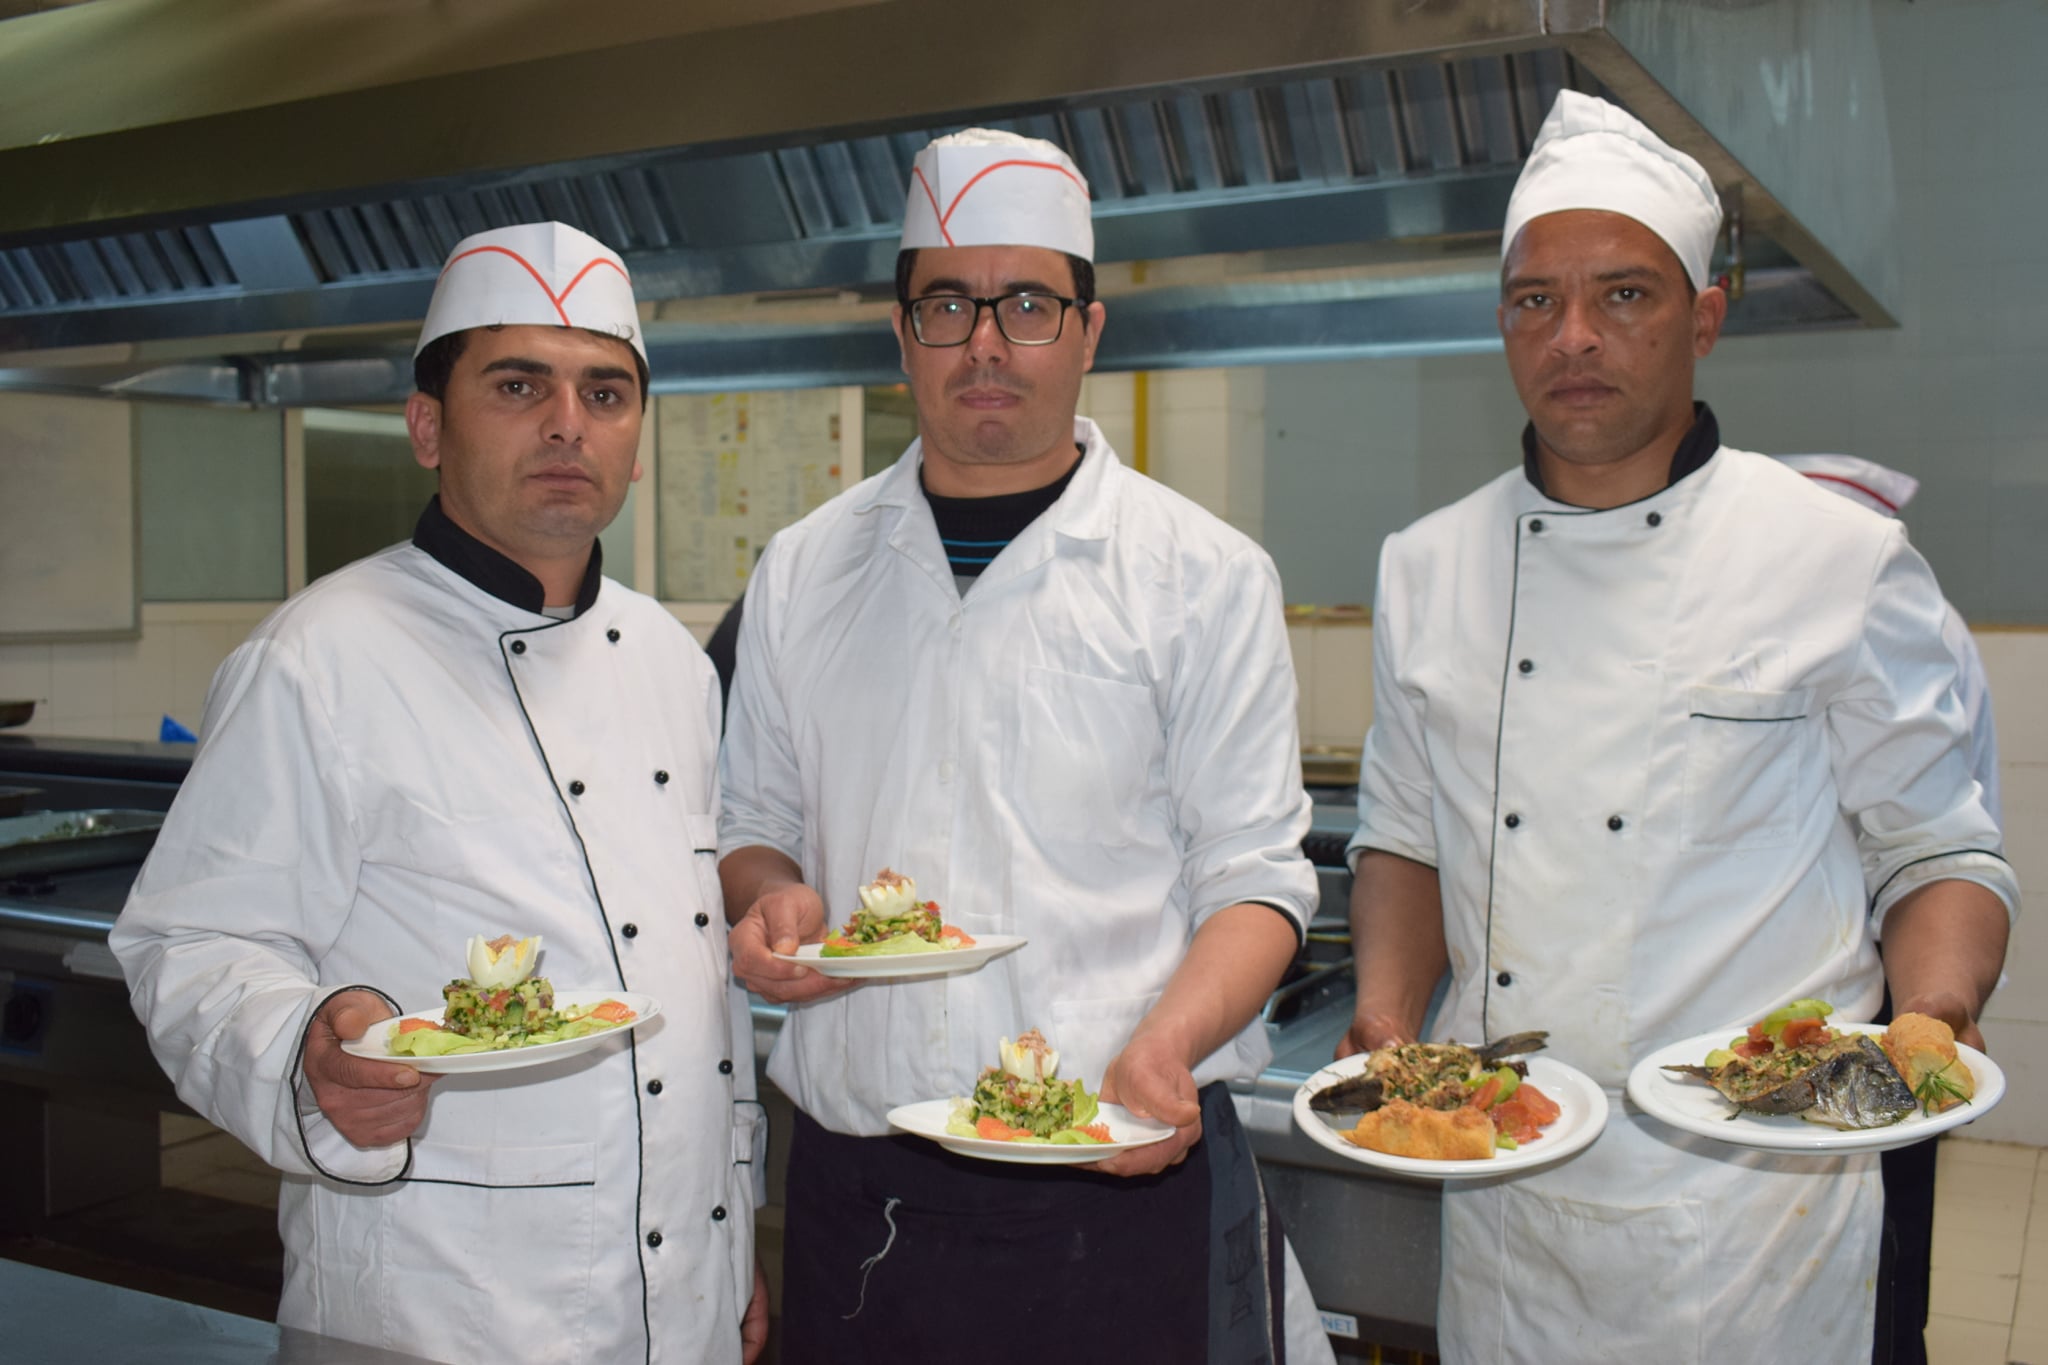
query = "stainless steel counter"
x=52 y=1317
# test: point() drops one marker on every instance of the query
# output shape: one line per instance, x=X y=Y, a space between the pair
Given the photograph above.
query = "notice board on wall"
x=68 y=548
x=732 y=469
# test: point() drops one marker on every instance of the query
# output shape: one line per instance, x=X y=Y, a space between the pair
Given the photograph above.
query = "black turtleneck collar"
x=1697 y=447
x=462 y=553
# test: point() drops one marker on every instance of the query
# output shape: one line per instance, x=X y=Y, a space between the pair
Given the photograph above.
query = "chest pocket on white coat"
x=1087 y=750
x=1743 y=751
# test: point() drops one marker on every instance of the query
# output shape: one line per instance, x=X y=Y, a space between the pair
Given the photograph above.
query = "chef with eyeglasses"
x=471 y=734
x=1059 y=697
x=1664 y=737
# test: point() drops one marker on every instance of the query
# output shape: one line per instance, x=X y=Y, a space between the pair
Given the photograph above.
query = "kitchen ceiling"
x=221 y=234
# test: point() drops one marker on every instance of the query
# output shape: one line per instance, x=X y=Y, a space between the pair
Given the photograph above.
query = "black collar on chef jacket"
x=462 y=553
x=1693 y=451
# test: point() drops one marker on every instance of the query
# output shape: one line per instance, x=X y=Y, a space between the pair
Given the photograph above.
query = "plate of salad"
x=1797 y=1080
x=502 y=1017
x=893 y=933
x=1023 y=1112
x=582 y=1020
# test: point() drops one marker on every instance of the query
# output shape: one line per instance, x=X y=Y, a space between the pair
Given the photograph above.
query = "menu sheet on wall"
x=732 y=469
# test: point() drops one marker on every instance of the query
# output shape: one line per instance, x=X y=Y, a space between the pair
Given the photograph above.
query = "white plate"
x=1126 y=1130
x=1583 y=1113
x=1697 y=1107
x=375 y=1043
x=987 y=948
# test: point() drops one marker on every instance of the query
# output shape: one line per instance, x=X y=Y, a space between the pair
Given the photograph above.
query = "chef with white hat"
x=472 y=734
x=1060 y=698
x=1664 y=737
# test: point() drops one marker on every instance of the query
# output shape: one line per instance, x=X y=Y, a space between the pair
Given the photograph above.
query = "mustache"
x=1015 y=387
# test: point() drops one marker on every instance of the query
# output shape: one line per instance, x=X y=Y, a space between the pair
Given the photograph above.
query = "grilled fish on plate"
x=1845 y=1083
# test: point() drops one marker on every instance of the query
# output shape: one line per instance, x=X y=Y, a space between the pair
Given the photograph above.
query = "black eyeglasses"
x=1024 y=319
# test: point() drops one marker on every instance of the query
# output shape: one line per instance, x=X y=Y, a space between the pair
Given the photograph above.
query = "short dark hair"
x=434 y=366
x=1084 y=279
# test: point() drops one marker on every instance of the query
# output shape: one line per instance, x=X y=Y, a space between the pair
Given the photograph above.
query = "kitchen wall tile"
x=2018 y=1046
x=145 y=672
x=1190 y=390
x=25 y=673
x=2015 y=666
x=82 y=681
x=1962 y=1341
x=2024 y=996
x=1301 y=643
x=1191 y=455
x=1343 y=683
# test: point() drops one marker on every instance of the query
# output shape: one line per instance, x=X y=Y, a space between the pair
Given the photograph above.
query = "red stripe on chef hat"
x=557 y=300
x=946 y=215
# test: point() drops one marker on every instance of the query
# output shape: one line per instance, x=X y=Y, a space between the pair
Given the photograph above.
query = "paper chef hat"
x=1861 y=481
x=1591 y=155
x=989 y=188
x=547 y=274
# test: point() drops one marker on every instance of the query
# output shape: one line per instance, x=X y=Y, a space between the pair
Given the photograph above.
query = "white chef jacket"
x=394 y=761
x=1627 y=740
x=1095 y=748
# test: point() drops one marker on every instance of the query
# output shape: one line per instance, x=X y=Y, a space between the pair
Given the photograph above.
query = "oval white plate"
x=1582 y=1106
x=927 y=1119
x=375 y=1044
x=987 y=948
x=1696 y=1107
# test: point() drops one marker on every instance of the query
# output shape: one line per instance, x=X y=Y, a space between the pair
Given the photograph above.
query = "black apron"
x=895 y=1250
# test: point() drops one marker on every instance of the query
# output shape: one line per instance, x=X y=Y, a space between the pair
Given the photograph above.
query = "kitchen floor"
x=1990 y=1290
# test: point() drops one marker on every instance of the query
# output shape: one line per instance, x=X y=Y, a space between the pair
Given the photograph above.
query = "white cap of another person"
x=542 y=274
x=983 y=187
x=1589 y=154
x=1860 y=481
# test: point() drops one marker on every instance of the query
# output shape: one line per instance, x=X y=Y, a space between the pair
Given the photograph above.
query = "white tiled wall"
x=123 y=689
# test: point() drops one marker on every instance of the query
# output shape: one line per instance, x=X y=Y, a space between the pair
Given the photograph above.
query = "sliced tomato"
x=1541 y=1107
x=1804 y=1033
x=415 y=1025
x=835 y=939
x=1753 y=1048
x=612 y=1012
x=959 y=937
x=1513 y=1118
x=993 y=1128
x=1485 y=1095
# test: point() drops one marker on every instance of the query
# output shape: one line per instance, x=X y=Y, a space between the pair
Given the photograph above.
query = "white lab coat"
x=1627 y=741
x=1095 y=748
x=386 y=770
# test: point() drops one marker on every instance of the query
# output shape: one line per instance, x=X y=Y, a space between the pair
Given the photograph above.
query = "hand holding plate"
x=1149 y=1078
x=785 y=917
x=372 y=1104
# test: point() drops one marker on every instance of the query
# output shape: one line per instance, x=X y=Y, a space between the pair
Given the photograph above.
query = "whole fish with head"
x=1431 y=1075
x=1845 y=1083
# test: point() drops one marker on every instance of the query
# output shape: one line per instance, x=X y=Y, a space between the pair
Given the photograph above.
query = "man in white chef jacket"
x=1624 y=698
x=475 y=733
x=1059 y=697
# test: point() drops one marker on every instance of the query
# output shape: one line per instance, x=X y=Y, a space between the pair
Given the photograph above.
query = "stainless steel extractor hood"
x=221 y=202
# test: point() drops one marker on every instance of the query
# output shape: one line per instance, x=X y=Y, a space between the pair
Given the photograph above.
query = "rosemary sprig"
x=1936 y=1088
